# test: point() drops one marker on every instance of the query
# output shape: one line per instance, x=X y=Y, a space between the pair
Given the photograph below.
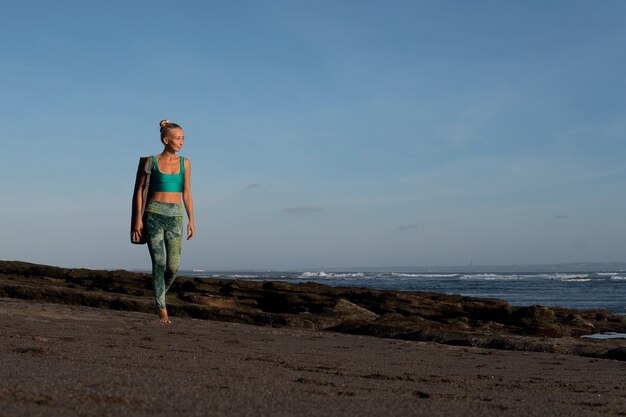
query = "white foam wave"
x=491 y=277
x=618 y=278
x=331 y=275
x=405 y=275
x=569 y=277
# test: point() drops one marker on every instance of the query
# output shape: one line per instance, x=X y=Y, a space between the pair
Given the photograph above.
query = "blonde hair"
x=166 y=125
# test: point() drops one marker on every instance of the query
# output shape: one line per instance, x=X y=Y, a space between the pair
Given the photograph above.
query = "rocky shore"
x=414 y=316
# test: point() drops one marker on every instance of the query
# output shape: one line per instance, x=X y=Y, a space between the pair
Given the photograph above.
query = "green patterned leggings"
x=165 y=238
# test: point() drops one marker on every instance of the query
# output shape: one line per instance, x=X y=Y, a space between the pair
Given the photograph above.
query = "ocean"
x=580 y=290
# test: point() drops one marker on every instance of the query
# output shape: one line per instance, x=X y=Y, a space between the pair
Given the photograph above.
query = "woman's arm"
x=138 y=221
x=188 y=199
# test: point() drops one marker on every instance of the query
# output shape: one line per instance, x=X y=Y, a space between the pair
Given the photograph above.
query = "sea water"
x=580 y=290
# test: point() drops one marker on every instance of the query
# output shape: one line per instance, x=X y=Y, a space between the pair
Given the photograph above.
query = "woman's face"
x=174 y=139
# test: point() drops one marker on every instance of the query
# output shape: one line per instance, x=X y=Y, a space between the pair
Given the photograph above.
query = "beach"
x=79 y=361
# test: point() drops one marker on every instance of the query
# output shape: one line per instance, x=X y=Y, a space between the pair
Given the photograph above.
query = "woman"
x=163 y=219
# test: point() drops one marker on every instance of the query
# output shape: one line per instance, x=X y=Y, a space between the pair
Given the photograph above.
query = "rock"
x=347 y=310
x=576 y=319
x=539 y=320
x=212 y=301
x=617 y=354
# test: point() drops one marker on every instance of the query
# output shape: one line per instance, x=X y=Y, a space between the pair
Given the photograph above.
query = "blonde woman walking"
x=162 y=223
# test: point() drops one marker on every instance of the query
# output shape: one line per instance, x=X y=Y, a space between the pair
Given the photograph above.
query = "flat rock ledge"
x=419 y=316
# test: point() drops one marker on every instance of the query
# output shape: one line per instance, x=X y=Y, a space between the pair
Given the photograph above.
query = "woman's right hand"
x=137 y=230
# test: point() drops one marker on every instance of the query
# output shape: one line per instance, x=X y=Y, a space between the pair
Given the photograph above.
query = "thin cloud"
x=254 y=185
x=562 y=217
x=406 y=227
x=302 y=210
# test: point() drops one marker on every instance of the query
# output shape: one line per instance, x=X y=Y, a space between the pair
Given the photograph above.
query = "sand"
x=60 y=360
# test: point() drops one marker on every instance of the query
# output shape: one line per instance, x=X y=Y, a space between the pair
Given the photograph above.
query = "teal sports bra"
x=168 y=183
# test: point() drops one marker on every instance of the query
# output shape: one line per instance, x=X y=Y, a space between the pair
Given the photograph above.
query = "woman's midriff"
x=166 y=197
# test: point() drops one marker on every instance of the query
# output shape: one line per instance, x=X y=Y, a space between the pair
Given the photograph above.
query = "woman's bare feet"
x=163 y=318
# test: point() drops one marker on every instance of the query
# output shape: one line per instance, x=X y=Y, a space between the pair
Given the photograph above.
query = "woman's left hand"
x=190 y=231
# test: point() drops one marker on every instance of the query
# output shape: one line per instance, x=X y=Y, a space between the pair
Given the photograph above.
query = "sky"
x=352 y=133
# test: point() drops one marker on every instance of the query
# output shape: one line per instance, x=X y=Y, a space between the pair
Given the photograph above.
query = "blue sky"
x=321 y=134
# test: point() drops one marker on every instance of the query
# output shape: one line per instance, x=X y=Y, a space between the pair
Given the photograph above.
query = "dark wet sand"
x=61 y=360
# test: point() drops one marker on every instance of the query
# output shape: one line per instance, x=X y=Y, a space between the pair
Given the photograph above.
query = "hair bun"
x=164 y=123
